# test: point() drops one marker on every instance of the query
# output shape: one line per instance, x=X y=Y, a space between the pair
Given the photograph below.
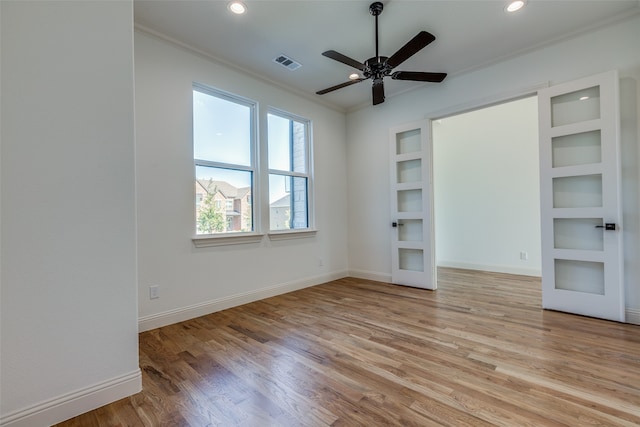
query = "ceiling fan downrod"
x=376 y=9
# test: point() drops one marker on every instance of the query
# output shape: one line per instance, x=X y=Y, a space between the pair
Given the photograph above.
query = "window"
x=224 y=161
x=289 y=178
x=227 y=171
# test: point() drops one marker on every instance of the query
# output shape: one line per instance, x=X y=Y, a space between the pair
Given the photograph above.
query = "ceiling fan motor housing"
x=376 y=67
x=376 y=8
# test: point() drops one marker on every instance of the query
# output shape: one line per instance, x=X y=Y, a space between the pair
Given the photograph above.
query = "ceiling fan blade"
x=421 y=40
x=344 y=59
x=378 y=93
x=340 y=86
x=419 y=76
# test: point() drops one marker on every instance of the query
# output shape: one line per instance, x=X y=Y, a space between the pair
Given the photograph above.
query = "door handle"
x=395 y=224
x=607 y=226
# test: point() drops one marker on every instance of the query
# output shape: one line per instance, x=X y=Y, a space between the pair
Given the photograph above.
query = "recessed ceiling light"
x=354 y=76
x=237 y=7
x=584 y=98
x=515 y=6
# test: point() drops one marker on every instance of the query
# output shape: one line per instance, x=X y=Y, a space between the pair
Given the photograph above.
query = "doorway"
x=487 y=189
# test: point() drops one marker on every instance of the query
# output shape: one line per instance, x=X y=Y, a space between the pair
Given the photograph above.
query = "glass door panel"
x=580 y=276
x=408 y=142
x=578 y=233
x=410 y=200
x=581 y=191
x=411 y=259
x=409 y=171
x=410 y=230
x=578 y=149
x=574 y=107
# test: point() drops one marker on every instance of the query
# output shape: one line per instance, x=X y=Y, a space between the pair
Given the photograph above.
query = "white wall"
x=69 y=301
x=195 y=281
x=487 y=189
x=612 y=47
x=68 y=267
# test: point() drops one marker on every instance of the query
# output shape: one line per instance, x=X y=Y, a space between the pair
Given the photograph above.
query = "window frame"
x=235 y=237
x=308 y=175
x=260 y=172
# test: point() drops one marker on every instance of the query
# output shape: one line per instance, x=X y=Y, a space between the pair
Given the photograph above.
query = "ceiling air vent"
x=287 y=62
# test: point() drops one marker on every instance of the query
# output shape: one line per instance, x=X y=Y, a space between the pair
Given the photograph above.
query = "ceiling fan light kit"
x=379 y=67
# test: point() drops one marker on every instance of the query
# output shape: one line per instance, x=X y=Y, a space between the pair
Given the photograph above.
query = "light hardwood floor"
x=477 y=352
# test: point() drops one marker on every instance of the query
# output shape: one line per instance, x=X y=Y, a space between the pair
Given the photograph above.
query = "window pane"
x=287 y=144
x=279 y=143
x=288 y=198
x=223 y=200
x=221 y=130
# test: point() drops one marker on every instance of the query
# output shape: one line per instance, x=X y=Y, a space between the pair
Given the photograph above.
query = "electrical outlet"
x=524 y=256
x=154 y=292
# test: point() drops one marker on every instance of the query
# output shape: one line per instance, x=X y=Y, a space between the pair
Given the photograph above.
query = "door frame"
x=469 y=107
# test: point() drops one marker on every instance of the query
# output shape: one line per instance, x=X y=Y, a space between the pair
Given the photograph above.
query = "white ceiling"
x=469 y=34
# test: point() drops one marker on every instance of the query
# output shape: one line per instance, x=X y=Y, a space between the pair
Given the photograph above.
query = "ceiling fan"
x=378 y=67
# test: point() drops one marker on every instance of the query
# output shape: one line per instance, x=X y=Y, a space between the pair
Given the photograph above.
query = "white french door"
x=412 y=254
x=580 y=197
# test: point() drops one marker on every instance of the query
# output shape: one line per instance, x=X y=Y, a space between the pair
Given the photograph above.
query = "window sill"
x=292 y=234
x=208 y=240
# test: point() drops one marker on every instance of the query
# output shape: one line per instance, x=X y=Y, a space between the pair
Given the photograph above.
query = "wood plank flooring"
x=477 y=352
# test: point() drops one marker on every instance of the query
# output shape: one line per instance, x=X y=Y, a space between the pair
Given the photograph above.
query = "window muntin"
x=224 y=147
x=289 y=181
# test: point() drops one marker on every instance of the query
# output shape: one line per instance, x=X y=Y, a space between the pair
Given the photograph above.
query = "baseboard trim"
x=158 y=320
x=632 y=315
x=521 y=271
x=75 y=403
x=370 y=275
x=385 y=277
